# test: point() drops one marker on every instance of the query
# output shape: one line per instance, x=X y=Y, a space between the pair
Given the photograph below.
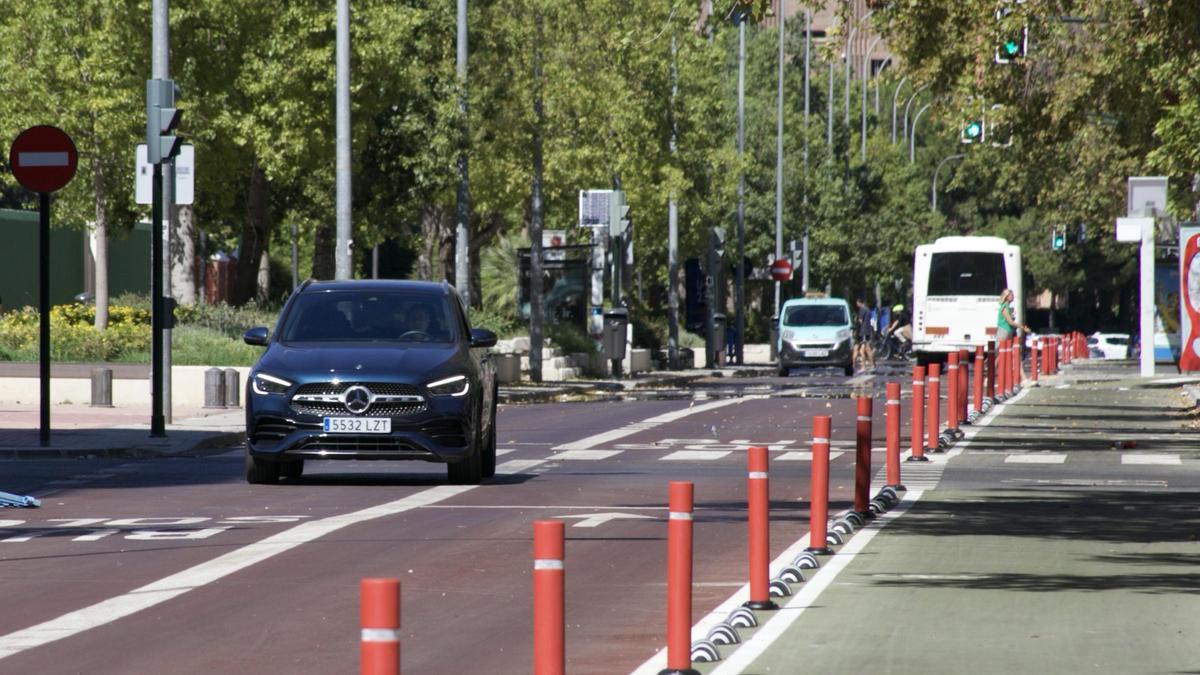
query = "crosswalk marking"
x=804 y=456
x=1151 y=458
x=702 y=455
x=587 y=455
x=1035 y=459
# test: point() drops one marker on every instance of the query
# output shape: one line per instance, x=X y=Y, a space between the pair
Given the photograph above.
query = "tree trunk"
x=183 y=256
x=100 y=234
x=427 y=259
x=262 y=290
x=255 y=233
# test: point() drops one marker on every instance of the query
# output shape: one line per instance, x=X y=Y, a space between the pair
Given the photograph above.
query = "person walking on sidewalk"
x=1007 y=327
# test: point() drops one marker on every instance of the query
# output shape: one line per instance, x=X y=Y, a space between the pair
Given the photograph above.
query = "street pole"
x=536 y=217
x=807 y=110
x=779 y=162
x=895 y=93
x=907 y=105
x=462 y=201
x=849 y=69
x=912 y=140
x=933 y=190
x=160 y=361
x=866 y=73
x=341 y=258
x=1146 y=299
x=740 y=277
x=673 y=234
x=829 y=114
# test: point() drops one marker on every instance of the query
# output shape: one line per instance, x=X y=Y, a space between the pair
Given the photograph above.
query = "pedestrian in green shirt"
x=1006 y=322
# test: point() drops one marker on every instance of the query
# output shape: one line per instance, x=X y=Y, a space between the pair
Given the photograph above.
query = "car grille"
x=381 y=390
x=814 y=345
x=346 y=443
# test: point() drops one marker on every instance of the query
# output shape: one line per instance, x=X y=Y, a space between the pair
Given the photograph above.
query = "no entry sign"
x=43 y=159
x=781 y=270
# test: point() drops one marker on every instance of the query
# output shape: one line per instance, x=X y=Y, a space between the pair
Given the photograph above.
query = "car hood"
x=361 y=361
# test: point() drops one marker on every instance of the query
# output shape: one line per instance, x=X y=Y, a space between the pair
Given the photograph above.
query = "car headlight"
x=788 y=335
x=269 y=384
x=458 y=385
x=843 y=334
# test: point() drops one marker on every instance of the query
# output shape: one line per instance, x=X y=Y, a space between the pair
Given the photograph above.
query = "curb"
x=141 y=450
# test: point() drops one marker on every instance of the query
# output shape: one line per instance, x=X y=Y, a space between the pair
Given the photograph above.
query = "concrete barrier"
x=187 y=388
x=639 y=361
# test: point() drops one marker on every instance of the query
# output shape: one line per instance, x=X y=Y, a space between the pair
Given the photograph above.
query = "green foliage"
x=201 y=346
x=72 y=336
x=503 y=326
x=571 y=339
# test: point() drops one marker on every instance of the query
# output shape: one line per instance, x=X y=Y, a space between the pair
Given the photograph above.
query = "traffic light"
x=618 y=214
x=1011 y=42
x=972 y=131
x=162 y=118
x=1058 y=240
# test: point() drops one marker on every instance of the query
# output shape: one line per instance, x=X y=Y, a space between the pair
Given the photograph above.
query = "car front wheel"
x=469 y=469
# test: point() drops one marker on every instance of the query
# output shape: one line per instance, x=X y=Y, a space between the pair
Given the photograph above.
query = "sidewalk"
x=1044 y=548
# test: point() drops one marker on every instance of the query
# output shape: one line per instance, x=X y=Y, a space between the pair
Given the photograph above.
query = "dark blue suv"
x=371 y=370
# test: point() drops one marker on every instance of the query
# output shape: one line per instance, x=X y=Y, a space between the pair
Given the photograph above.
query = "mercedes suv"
x=368 y=369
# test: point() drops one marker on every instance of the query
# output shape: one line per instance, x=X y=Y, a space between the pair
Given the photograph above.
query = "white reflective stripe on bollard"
x=820 y=439
x=380 y=635
x=758 y=474
x=679 y=515
x=891 y=401
x=547 y=564
x=864 y=418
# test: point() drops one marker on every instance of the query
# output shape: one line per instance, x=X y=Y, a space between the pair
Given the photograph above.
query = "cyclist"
x=901 y=324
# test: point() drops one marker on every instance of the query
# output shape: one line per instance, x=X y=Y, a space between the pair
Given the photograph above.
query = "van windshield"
x=816 y=315
x=966 y=273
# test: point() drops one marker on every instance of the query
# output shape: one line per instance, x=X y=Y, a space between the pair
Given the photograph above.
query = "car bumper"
x=793 y=354
x=440 y=433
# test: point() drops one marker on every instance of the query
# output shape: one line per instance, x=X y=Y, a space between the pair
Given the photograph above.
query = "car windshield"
x=371 y=316
x=816 y=315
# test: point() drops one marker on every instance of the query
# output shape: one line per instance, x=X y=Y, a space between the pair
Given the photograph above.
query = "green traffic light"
x=974 y=129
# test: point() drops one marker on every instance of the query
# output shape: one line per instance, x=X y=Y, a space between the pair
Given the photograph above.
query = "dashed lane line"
x=652 y=422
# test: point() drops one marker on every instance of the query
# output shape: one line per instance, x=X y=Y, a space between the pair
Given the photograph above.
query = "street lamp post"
x=849 y=56
x=912 y=140
x=933 y=189
x=866 y=72
x=908 y=105
x=895 y=93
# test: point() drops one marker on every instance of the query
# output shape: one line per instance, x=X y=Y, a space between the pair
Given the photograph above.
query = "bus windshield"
x=816 y=315
x=966 y=273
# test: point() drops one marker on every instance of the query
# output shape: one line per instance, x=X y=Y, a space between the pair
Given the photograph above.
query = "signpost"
x=1146 y=196
x=43 y=160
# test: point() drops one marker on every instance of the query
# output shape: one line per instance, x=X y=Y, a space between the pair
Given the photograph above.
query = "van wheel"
x=848 y=369
x=783 y=371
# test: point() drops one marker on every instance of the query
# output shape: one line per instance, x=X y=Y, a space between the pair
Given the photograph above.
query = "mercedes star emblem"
x=357 y=399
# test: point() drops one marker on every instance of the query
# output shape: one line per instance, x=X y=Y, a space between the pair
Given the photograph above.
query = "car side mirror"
x=256 y=336
x=482 y=337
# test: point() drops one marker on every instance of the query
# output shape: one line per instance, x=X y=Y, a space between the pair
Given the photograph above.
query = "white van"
x=957 y=283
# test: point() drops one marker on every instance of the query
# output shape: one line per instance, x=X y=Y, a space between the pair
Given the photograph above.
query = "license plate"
x=358 y=425
x=816 y=353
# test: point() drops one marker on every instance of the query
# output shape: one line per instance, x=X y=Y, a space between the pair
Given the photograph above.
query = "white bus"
x=956 y=293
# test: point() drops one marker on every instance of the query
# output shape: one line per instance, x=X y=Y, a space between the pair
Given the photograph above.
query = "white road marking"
x=598 y=519
x=586 y=455
x=694 y=455
x=1151 y=458
x=650 y=423
x=1036 y=459
x=804 y=456
x=500 y=452
x=513 y=466
x=157 y=592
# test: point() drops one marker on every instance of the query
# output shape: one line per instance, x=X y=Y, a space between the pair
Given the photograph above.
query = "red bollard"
x=862 y=458
x=978 y=379
x=818 y=532
x=991 y=369
x=952 y=390
x=759 y=494
x=679 y=578
x=1017 y=361
x=1002 y=369
x=549 y=613
x=1033 y=361
x=918 y=416
x=379 y=615
x=1046 y=356
x=964 y=359
x=933 y=404
x=892 y=410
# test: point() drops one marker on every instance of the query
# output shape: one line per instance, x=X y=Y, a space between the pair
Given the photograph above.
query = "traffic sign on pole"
x=43 y=159
x=781 y=270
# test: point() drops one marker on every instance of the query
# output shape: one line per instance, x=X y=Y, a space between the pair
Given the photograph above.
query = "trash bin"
x=774 y=337
x=615 y=322
x=719 y=339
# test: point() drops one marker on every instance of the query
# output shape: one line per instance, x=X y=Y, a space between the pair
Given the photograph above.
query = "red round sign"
x=781 y=270
x=43 y=159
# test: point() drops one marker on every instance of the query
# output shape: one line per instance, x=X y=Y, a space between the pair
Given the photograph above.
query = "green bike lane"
x=1043 y=549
